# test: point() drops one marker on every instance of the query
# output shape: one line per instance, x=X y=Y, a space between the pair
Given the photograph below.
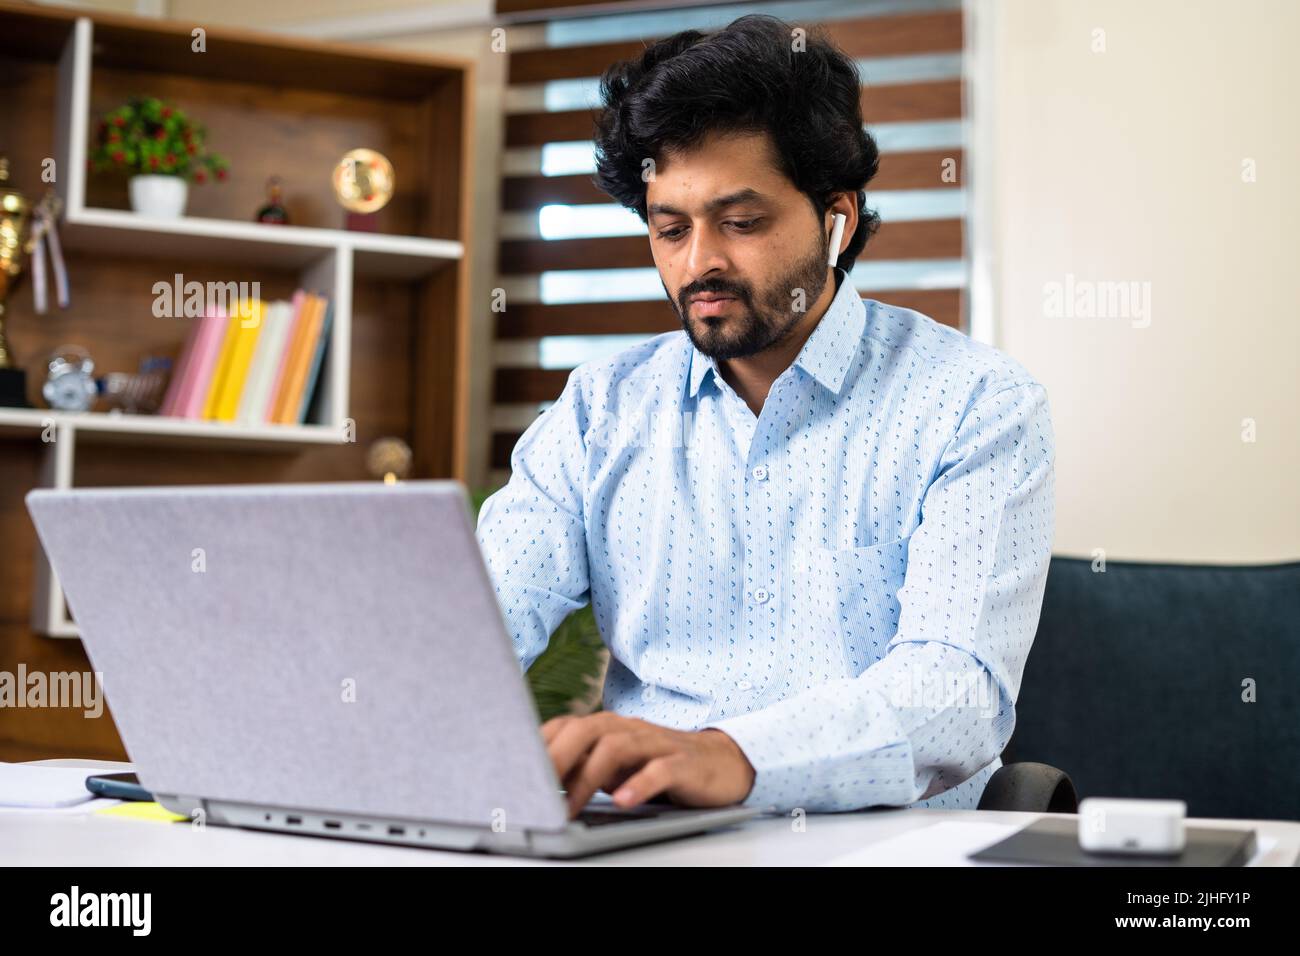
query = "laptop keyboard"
x=597 y=818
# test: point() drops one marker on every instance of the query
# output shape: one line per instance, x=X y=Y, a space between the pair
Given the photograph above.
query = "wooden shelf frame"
x=436 y=90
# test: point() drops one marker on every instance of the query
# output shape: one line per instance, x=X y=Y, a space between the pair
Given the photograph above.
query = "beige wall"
x=1127 y=165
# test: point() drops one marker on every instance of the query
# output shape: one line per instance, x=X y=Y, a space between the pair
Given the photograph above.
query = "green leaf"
x=567 y=671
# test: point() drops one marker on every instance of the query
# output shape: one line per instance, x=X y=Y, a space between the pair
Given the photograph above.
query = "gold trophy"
x=15 y=212
x=25 y=230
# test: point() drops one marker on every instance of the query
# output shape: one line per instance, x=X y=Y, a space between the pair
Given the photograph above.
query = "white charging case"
x=1143 y=827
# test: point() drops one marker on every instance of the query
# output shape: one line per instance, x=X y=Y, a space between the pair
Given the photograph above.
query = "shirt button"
x=760 y=473
x=743 y=685
x=761 y=595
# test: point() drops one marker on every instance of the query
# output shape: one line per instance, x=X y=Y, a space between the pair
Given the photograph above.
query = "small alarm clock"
x=70 y=385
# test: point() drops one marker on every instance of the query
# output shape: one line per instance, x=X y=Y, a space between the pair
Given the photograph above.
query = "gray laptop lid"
x=330 y=646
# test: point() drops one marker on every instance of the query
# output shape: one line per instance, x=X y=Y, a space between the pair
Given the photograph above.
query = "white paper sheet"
x=26 y=786
x=939 y=844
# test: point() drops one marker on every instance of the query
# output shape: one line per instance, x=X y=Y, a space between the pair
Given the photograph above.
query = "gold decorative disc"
x=363 y=181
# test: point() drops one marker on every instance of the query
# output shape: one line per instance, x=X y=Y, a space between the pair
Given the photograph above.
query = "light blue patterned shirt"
x=847 y=584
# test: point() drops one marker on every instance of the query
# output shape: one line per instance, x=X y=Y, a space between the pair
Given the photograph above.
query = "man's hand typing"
x=635 y=761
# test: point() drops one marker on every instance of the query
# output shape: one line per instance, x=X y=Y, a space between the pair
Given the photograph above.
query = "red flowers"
x=146 y=135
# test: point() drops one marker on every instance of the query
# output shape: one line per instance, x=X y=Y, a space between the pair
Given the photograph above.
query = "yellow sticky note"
x=140 y=810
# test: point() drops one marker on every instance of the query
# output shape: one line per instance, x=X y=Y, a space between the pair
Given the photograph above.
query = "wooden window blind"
x=577 y=272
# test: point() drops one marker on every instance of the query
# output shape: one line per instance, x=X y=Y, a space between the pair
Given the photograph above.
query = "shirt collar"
x=828 y=351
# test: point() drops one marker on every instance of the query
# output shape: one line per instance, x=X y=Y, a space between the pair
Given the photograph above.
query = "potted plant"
x=162 y=151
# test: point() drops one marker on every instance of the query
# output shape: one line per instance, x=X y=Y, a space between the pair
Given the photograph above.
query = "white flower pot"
x=161 y=196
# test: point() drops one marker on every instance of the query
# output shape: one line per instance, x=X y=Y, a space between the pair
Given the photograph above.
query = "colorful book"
x=198 y=375
x=247 y=332
x=264 y=367
x=220 y=370
x=318 y=358
x=304 y=346
x=301 y=323
x=281 y=362
x=265 y=360
x=174 y=384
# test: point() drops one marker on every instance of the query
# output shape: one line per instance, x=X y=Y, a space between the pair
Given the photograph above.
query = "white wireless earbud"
x=837 y=233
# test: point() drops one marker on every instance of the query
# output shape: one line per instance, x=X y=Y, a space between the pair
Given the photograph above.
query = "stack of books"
x=258 y=367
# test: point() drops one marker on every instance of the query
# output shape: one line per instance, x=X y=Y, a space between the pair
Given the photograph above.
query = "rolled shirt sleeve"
x=940 y=704
x=532 y=530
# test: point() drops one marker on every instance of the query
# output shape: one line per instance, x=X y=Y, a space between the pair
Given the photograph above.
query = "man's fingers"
x=610 y=782
x=553 y=726
x=647 y=783
x=571 y=741
x=610 y=762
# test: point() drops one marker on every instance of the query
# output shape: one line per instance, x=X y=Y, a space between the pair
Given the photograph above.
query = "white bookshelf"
x=326 y=261
x=220 y=240
x=105 y=428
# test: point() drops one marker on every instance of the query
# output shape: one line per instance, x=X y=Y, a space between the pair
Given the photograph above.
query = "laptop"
x=326 y=659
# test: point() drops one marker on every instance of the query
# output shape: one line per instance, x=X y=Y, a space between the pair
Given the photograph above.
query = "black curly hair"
x=745 y=78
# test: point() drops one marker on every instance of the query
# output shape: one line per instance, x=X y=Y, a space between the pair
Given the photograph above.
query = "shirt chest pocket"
x=847 y=598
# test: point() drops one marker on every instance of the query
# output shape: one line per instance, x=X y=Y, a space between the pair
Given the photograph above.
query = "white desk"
x=64 y=838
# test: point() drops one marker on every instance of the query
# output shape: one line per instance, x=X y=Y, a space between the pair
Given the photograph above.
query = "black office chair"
x=1140 y=681
x=1031 y=787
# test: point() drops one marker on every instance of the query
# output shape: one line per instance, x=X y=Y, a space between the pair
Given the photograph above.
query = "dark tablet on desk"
x=1055 y=842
